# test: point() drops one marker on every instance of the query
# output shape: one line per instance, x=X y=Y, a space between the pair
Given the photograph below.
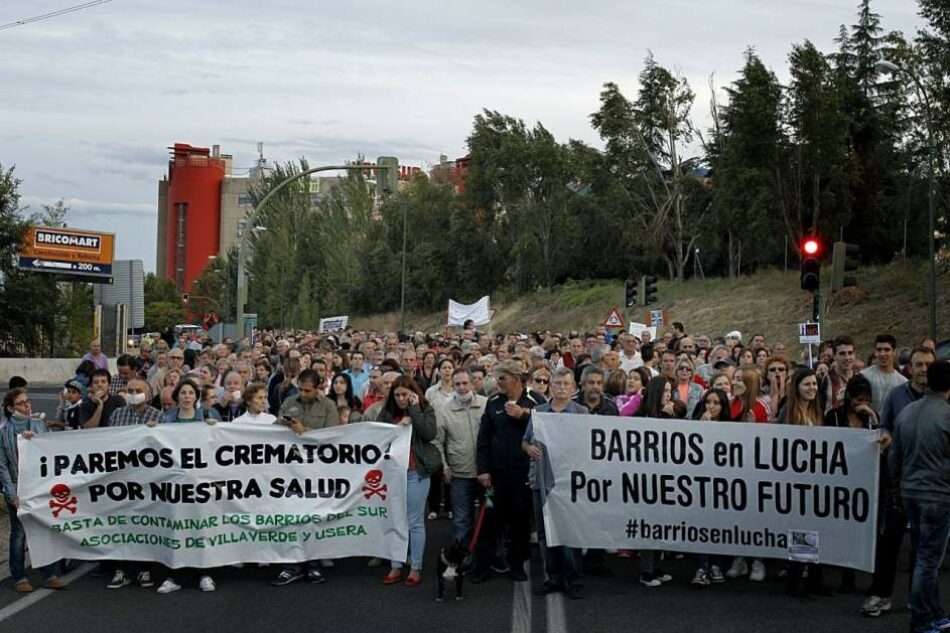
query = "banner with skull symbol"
x=205 y=496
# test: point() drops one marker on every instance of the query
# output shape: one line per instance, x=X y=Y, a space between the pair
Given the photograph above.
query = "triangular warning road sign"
x=613 y=320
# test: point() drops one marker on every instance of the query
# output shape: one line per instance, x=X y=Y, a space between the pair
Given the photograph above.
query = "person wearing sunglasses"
x=686 y=389
x=541 y=380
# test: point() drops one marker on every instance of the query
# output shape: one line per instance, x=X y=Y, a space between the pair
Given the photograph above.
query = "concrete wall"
x=41 y=371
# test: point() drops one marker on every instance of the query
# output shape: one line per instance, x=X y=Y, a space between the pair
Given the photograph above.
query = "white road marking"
x=521 y=605
x=30 y=599
x=556 y=620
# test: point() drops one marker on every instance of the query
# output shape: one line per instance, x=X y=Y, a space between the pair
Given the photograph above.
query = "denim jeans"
x=463 y=492
x=417 y=490
x=929 y=530
x=18 y=551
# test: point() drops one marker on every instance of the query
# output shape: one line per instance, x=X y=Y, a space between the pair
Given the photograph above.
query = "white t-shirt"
x=628 y=364
x=256 y=418
x=881 y=384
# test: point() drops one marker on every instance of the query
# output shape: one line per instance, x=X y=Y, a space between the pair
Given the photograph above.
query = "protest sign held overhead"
x=200 y=496
x=769 y=491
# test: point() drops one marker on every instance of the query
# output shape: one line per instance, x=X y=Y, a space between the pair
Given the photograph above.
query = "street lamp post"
x=252 y=221
x=891 y=67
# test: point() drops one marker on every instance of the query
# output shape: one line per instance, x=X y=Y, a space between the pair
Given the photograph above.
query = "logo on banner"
x=62 y=500
x=374 y=485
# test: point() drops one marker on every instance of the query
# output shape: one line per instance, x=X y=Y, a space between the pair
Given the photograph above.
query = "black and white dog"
x=452 y=566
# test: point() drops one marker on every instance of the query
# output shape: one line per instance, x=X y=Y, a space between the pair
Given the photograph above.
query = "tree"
x=163 y=314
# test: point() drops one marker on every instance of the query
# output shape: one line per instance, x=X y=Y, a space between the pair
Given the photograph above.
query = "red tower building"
x=193 y=212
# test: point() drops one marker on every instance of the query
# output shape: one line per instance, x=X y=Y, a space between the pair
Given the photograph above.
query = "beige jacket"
x=457 y=434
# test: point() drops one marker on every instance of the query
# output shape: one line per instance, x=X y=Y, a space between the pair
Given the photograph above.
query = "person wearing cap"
x=502 y=465
x=919 y=460
x=67 y=413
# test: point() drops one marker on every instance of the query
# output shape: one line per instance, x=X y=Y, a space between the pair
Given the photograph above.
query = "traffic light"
x=630 y=290
x=811 y=269
x=649 y=289
x=844 y=258
x=388 y=179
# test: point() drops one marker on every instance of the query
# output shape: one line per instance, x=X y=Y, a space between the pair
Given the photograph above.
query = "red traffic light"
x=811 y=246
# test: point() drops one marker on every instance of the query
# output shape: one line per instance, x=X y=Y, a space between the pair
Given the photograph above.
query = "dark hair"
x=189 y=383
x=858 y=387
x=889 y=339
x=100 y=372
x=311 y=376
x=616 y=384
x=651 y=405
x=679 y=326
x=938 y=376
x=10 y=397
x=844 y=339
x=403 y=382
x=85 y=368
x=725 y=414
x=17 y=382
x=190 y=357
x=647 y=352
x=125 y=360
x=351 y=400
x=922 y=350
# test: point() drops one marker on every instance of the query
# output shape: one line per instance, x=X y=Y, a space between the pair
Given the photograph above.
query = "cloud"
x=79 y=208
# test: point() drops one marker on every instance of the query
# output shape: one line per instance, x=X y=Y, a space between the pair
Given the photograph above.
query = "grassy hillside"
x=891 y=298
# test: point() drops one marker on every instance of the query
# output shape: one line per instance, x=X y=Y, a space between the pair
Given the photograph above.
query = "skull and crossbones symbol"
x=62 y=499
x=374 y=485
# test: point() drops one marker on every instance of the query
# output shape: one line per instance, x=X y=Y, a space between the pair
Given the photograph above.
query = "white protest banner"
x=193 y=495
x=479 y=312
x=764 y=490
x=637 y=329
x=334 y=323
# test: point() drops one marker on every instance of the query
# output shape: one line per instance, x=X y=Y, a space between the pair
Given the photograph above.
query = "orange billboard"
x=67 y=251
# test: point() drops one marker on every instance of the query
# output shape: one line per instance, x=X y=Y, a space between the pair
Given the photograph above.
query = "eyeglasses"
x=540 y=381
x=20 y=403
x=685 y=368
x=776 y=370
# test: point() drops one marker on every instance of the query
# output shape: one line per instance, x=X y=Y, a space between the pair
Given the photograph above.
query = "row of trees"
x=40 y=316
x=841 y=150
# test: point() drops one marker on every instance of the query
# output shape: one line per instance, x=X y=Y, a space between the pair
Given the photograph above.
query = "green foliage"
x=160 y=289
x=163 y=314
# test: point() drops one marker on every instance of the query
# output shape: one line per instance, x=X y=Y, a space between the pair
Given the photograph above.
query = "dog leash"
x=489 y=493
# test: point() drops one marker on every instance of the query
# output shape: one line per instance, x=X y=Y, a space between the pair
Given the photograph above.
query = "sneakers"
x=326 y=564
x=738 y=568
x=941 y=625
x=873 y=606
x=54 y=583
x=316 y=577
x=432 y=516
x=715 y=574
x=144 y=580
x=119 y=580
x=700 y=579
x=662 y=576
x=169 y=586
x=500 y=566
x=206 y=584
x=23 y=586
x=650 y=580
x=286 y=577
x=758 y=571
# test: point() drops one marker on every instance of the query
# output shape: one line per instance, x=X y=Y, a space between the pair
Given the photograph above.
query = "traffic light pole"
x=252 y=221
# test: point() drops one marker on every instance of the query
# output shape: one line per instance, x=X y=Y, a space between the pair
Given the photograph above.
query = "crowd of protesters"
x=468 y=398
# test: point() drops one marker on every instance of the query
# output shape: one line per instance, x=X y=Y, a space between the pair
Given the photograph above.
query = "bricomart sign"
x=67 y=252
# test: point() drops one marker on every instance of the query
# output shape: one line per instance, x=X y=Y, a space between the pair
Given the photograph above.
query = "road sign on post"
x=83 y=255
x=613 y=320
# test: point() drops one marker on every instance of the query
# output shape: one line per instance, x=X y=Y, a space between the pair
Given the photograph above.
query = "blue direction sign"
x=65 y=268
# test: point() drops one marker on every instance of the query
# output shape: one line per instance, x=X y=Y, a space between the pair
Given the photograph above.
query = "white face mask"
x=466 y=398
x=236 y=396
x=135 y=398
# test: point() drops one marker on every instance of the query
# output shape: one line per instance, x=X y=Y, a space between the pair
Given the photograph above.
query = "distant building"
x=202 y=208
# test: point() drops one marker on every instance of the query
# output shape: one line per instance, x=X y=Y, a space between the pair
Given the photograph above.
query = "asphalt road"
x=354 y=600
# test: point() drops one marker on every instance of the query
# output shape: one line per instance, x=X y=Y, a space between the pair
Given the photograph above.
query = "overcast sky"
x=90 y=101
